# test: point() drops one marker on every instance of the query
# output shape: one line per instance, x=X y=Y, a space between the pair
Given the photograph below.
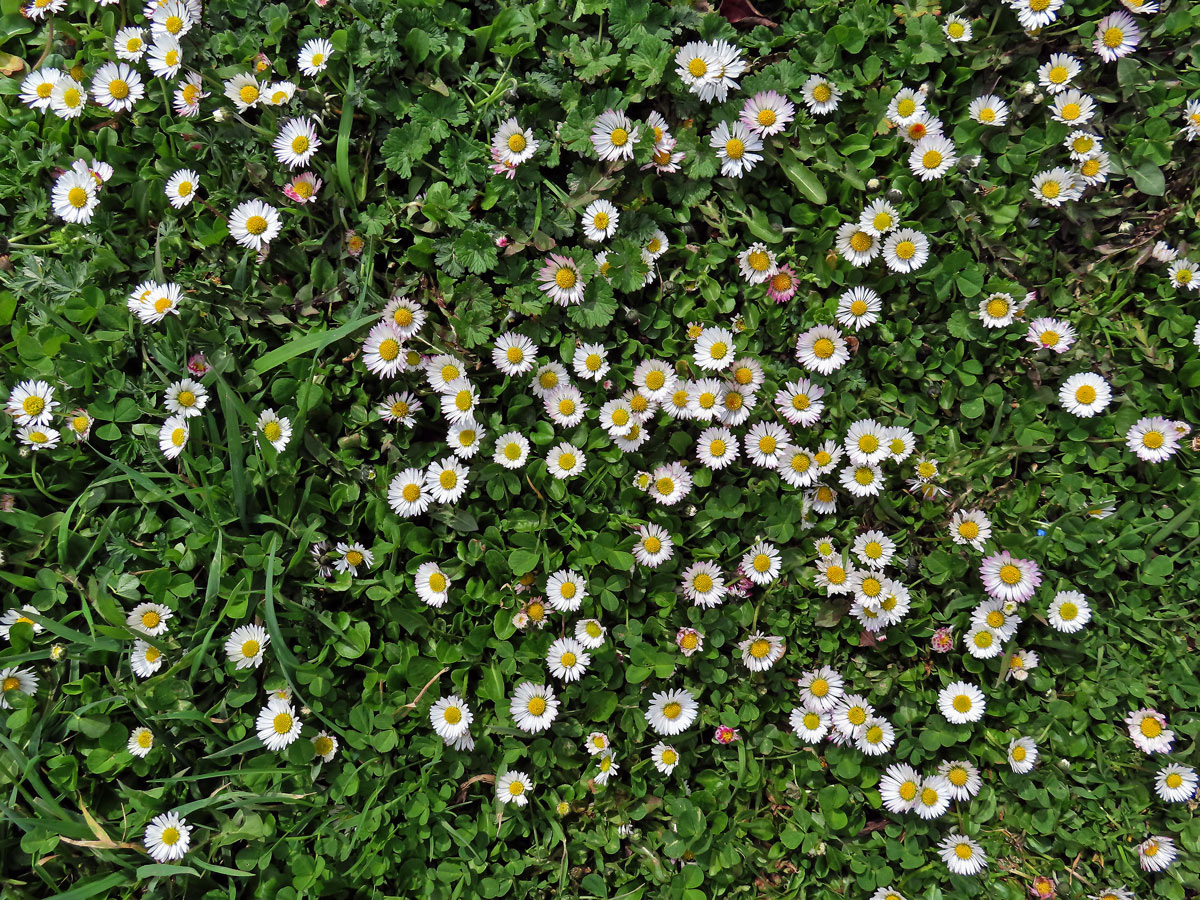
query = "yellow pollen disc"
x=868 y=443
x=72 y=97
x=759 y=260
x=781 y=282
x=767 y=444
x=672 y=710
x=962 y=703
x=669 y=757
x=172 y=60
x=997 y=308
x=256 y=224
x=874 y=734
x=10 y=684
x=389 y=349
x=766 y=117
x=248 y=93
x=835 y=574
x=906 y=107
x=1068 y=611
x=1071 y=111
x=318 y=59
x=1010 y=574
x=908 y=791
x=568 y=660
x=565 y=278
x=987 y=114
x=145 y=739
x=77 y=197
x=592 y=363
x=801 y=462
x=535 y=611
x=448 y=479
x=860 y=242
x=651 y=544
x=516 y=142
x=299 y=144
x=983 y=640
x=1090 y=167
x=1018 y=753
x=152 y=654
x=1058 y=74
x=250 y=649
x=734 y=148
x=955 y=29
x=858 y=308
x=857 y=715
x=931 y=160
x=762 y=563
x=282 y=723
x=273 y=431
x=995 y=619
x=819 y=687
x=1113 y=38
x=170 y=836
x=437 y=582
x=689 y=642
x=906 y=250
x=537 y=706
x=1174 y=780
x=697 y=68
x=702 y=583
x=45 y=89
x=150 y=619
x=822 y=93
x=410 y=493
x=1153 y=439
x=354 y=558
x=118 y=89
x=823 y=348
x=323 y=746
x=664 y=486
x=178 y=436
x=864 y=475
x=619 y=137
x=963 y=851
x=760 y=648
x=600 y=221
x=516 y=789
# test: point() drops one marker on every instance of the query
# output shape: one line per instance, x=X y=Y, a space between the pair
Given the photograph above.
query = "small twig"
x=429 y=684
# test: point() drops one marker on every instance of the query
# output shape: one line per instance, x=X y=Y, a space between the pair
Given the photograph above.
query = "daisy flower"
x=278 y=725
x=767 y=444
x=324 y=746
x=275 y=428
x=906 y=250
x=32 y=403
x=665 y=757
x=905 y=105
x=407 y=493
x=961 y=703
x=351 y=556
x=314 y=56
x=820 y=95
x=68 y=99
x=898 y=788
x=149 y=618
x=38 y=437
x=1148 y=729
x=957 y=29
x=1051 y=334
x=862 y=480
x=757 y=264
x=533 y=707
x=600 y=220
x=450 y=717
x=1117 y=35
x=876 y=737
x=703 y=584
x=565 y=406
x=141 y=742
x=982 y=643
x=833 y=574
x=962 y=855
x=656 y=246
x=279 y=93
x=858 y=308
x=74 y=198
x=590 y=633
x=822 y=349
x=1069 y=612
x=671 y=712
x=243 y=90
x=809 y=725
x=173 y=436
x=963 y=778
x=729 y=66
x=782 y=286
x=13 y=616
x=590 y=361
x=1153 y=439
x=1184 y=274
x=689 y=641
x=446 y=480
x=1020 y=664
x=407 y=317
x=565 y=461
x=761 y=563
x=866 y=441
x=1175 y=783
x=442 y=369
x=566 y=590
x=303 y=188
x=146 y=659
x=117 y=86
x=559 y=278
x=655 y=377
x=797 y=467
x=1035 y=14
x=514 y=787
x=716 y=447
x=187 y=96
x=513 y=144
x=669 y=484
x=432 y=585
x=181 y=188
x=383 y=350
x=38 y=86
x=696 y=64
x=1055 y=186
x=988 y=110
x=857 y=244
x=800 y=402
x=567 y=660
x=246 y=645
x=512 y=449
x=614 y=136
x=1156 y=853
x=851 y=714
x=1085 y=394
x=1022 y=755
x=1072 y=107
x=167 y=837
x=254 y=224
x=171 y=17
x=1009 y=578
x=768 y=113
x=514 y=354
x=970 y=527
x=296 y=143
x=738 y=148
x=761 y=651
x=1057 y=74
x=1191 y=120
x=186 y=398
x=932 y=157
x=608 y=768
x=874 y=549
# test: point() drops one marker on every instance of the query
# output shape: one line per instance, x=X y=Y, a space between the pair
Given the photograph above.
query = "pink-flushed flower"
x=502 y=167
x=1042 y=887
x=559 y=278
x=501 y=242
x=303 y=188
x=198 y=365
x=782 y=286
x=742 y=587
x=1117 y=35
x=1008 y=578
x=354 y=243
x=689 y=641
x=665 y=159
x=725 y=735
x=767 y=113
x=942 y=640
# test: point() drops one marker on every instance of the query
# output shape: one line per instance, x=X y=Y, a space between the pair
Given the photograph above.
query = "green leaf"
x=802 y=177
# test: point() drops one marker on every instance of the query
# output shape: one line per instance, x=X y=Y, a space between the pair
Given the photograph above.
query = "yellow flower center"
x=536 y=611
x=734 y=148
x=823 y=348
x=318 y=59
x=672 y=710
x=463 y=401
x=926 y=470
x=1113 y=38
x=145 y=739
x=389 y=349
x=995 y=619
x=1150 y=727
x=600 y=221
x=619 y=137
x=173 y=25
x=250 y=649
x=801 y=462
x=703 y=583
x=689 y=641
x=1153 y=439
x=860 y=242
x=983 y=640
x=516 y=788
x=33 y=405
x=118 y=88
x=955 y=29
x=664 y=486
x=172 y=60
x=568 y=660
x=299 y=144
x=874 y=734
x=872 y=587
x=717 y=448
x=697 y=68
x=45 y=89
x=1058 y=74
x=1051 y=189
x=906 y=107
x=781 y=282
x=873 y=550
x=857 y=715
x=766 y=117
x=1174 y=780
x=962 y=703
x=566 y=462
x=10 y=684
x=957 y=776
x=448 y=479
x=452 y=714
x=1151 y=848
x=150 y=619
x=170 y=836
x=1010 y=574
x=437 y=582
x=273 y=431
x=593 y=362
x=178 y=437
x=256 y=224
x=931 y=160
x=906 y=250
x=1071 y=111
x=354 y=557
x=1019 y=753
x=1090 y=167
x=516 y=142
x=760 y=648
x=72 y=97
x=863 y=475
x=593 y=629
x=77 y=197
x=822 y=93
x=762 y=562
x=963 y=851
x=908 y=791
x=282 y=723
x=323 y=745
x=565 y=278
x=248 y=93
x=997 y=308
x=669 y=757
x=1085 y=394
x=537 y=706
x=410 y=493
